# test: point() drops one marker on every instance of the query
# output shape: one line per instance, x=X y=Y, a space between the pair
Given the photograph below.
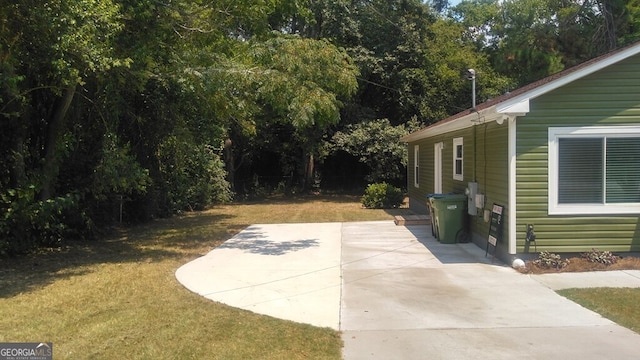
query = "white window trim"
x=584 y=209
x=456 y=142
x=416 y=166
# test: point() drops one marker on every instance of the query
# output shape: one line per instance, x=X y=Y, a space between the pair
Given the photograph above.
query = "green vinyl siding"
x=610 y=97
x=492 y=175
x=449 y=185
x=418 y=195
x=485 y=161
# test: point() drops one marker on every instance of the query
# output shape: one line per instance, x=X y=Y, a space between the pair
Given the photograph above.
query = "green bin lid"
x=452 y=197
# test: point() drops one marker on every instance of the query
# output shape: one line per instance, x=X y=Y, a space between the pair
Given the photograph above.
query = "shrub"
x=192 y=176
x=384 y=156
x=382 y=196
x=550 y=260
x=26 y=222
x=600 y=256
x=118 y=172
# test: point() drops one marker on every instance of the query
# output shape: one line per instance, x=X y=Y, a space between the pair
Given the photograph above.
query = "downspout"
x=511 y=119
x=475 y=152
x=510 y=113
x=471 y=75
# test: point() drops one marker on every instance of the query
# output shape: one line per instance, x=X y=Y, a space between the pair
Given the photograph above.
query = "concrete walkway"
x=396 y=293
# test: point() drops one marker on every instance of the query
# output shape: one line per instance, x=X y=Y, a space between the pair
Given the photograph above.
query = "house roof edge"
x=518 y=100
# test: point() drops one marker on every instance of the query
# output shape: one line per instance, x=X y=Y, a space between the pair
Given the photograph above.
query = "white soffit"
x=521 y=107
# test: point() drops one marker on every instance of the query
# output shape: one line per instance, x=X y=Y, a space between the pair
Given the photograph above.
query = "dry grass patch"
x=117 y=298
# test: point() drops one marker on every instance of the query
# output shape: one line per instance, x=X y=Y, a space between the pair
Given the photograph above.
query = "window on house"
x=458 y=159
x=594 y=170
x=416 y=165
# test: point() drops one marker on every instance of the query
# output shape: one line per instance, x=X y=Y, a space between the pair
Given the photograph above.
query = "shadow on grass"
x=183 y=237
x=176 y=238
x=303 y=198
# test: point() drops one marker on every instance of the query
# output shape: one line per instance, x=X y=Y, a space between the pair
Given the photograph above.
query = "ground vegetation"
x=125 y=111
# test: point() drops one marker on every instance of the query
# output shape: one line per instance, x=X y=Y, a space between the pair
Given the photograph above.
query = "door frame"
x=437 y=167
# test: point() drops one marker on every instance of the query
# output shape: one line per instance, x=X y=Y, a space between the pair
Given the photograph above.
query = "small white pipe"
x=473 y=93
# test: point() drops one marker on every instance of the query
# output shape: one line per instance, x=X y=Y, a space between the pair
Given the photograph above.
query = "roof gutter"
x=472 y=118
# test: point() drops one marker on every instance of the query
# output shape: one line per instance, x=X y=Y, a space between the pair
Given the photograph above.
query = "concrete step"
x=404 y=220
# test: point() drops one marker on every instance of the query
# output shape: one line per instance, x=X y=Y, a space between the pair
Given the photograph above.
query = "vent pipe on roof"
x=471 y=75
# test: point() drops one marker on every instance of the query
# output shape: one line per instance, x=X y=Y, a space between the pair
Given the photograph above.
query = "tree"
x=302 y=83
x=559 y=33
x=49 y=52
x=176 y=101
x=66 y=42
x=92 y=90
x=390 y=55
x=376 y=144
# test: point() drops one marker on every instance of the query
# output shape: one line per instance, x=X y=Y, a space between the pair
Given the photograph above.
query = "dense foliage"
x=382 y=196
x=375 y=144
x=133 y=109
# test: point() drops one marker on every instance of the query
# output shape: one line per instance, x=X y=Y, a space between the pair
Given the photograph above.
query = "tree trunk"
x=230 y=163
x=18 y=170
x=609 y=37
x=54 y=130
x=309 y=169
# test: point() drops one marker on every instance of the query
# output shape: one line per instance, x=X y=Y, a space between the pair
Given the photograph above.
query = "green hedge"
x=382 y=196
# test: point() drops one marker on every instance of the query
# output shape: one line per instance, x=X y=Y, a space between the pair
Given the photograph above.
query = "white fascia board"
x=521 y=107
x=463 y=122
x=417 y=135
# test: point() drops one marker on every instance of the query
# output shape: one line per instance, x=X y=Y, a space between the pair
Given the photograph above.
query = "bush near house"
x=600 y=256
x=594 y=260
x=382 y=196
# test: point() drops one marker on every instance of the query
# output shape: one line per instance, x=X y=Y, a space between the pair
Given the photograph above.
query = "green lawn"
x=620 y=305
x=117 y=298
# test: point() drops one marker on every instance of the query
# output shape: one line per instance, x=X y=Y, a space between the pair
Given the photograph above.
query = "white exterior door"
x=437 y=168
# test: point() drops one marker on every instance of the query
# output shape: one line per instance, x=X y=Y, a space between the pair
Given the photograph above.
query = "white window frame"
x=555 y=133
x=458 y=142
x=416 y=166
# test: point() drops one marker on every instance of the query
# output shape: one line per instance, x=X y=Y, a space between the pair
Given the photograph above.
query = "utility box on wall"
x=472 y=191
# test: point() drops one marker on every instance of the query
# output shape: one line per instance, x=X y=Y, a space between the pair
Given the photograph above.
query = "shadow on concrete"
x=458 y=253
x=256 y=242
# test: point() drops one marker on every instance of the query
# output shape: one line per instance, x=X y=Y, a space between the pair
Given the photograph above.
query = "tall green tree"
x=94 y=92
x=178 y=99
x=49 y=50
x=530 y=39
x=448 y=56
x=302 y=83
x=532 y=54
